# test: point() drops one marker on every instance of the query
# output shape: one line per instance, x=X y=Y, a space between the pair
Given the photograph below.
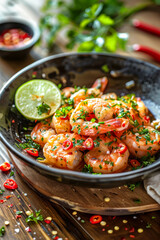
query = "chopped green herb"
x=87 y=169
x=19 y=212
x=132 y=186
x=43 y=108
x=137 y=200
x=148 y=225
x=2 y=191
x=105 y=68
x=11 y=174
x=2 y=231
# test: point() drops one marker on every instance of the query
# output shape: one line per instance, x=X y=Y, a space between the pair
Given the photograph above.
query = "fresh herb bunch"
x=91 y=25
x=35 y=219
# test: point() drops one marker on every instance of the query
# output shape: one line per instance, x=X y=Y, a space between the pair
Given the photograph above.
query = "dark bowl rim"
x=32 y=25
x=68 y=173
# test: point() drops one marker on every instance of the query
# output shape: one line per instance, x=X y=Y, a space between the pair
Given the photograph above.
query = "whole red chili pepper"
x=32 y=151
x=5 y=167
x=10 y=184
x=146 y=27
x=67 y=145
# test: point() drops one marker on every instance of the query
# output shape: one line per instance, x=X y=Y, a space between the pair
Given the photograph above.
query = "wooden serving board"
x=122 y=201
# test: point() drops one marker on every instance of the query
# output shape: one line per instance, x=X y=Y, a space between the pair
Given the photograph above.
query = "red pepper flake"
x=18 y=216
x=126 y=229
x=103 y=229
x=123 y=238
x=9 y=196
x=28 y=229
x=132 y=230
x=56 y=237
x=114 y=217
x=34 y=74
x=10 y=206
x=2 y=201
x=47 y=221
x=13 y=121
x=132 y=236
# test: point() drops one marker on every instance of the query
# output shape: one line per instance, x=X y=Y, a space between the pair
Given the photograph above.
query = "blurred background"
x=88 y=26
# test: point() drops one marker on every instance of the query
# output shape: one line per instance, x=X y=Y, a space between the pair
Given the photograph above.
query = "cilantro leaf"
x=43 y=108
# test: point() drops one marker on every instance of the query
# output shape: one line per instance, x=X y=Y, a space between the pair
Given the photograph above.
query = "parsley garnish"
x=2 y=231
x=43 y=108
x=132 y=186
x=2 y=191
x=29 y=144
x=11 y=174
x=35 y=219
x=63 y=111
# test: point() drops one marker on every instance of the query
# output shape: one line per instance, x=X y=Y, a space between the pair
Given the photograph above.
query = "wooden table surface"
x=67 y=224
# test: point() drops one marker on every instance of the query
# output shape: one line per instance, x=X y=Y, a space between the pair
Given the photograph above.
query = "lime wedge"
x=37 y=99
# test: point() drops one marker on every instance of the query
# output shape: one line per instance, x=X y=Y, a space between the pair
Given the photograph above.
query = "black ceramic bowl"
x=29 y=27
x=77 y=69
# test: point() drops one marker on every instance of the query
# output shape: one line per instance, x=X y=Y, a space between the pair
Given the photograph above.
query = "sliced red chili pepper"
x=90 y=116
x=95 y=219
x=146 y=118
x=88 y=143
x=67 y=145
x=32 y=151
x=123 y=148
x=135 y=163
x=65 y=118
x=5 y=167
x=10 y=184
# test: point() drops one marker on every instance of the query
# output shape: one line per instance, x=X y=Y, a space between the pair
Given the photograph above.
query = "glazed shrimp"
x=42 y=132
x=68 y=91
x=98 y=109
x=94 y=92
x=109 y=96
x=61 y=120
x=110 y=156
x=63 y=151
x=142 y=141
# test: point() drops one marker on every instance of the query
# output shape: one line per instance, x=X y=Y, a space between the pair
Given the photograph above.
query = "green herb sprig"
x=35 y=219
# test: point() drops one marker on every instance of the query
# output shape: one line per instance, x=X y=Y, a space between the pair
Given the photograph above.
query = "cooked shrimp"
x=68 y=91
x=61 y=120
x=110 y=156
x=95 y=91
x=142 y=141
x=63 y=151
x=141 y=107
x=98 y=109
x=100 y=83
x=42 y=132
x=109 y=96
x=83 y=94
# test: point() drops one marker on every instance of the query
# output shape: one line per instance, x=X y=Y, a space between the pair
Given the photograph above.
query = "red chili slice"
x=64 y=118
x=135 y=163
x=5 y=167
x=88 y=143
x=10 y=184
x=67 y=145
x=123 y=148
x=146 y=118
x=95 y=219
x=90 y=116
x=32 y=151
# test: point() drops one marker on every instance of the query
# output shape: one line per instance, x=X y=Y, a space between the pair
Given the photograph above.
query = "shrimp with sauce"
x=109 y=156
x=94 y=92
x=142 y=141
x=89 y=118
x=61 y=120
x=42 y=132
x=63 y=151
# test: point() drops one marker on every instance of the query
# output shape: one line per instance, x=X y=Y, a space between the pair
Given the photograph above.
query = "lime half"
x=37 y=99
